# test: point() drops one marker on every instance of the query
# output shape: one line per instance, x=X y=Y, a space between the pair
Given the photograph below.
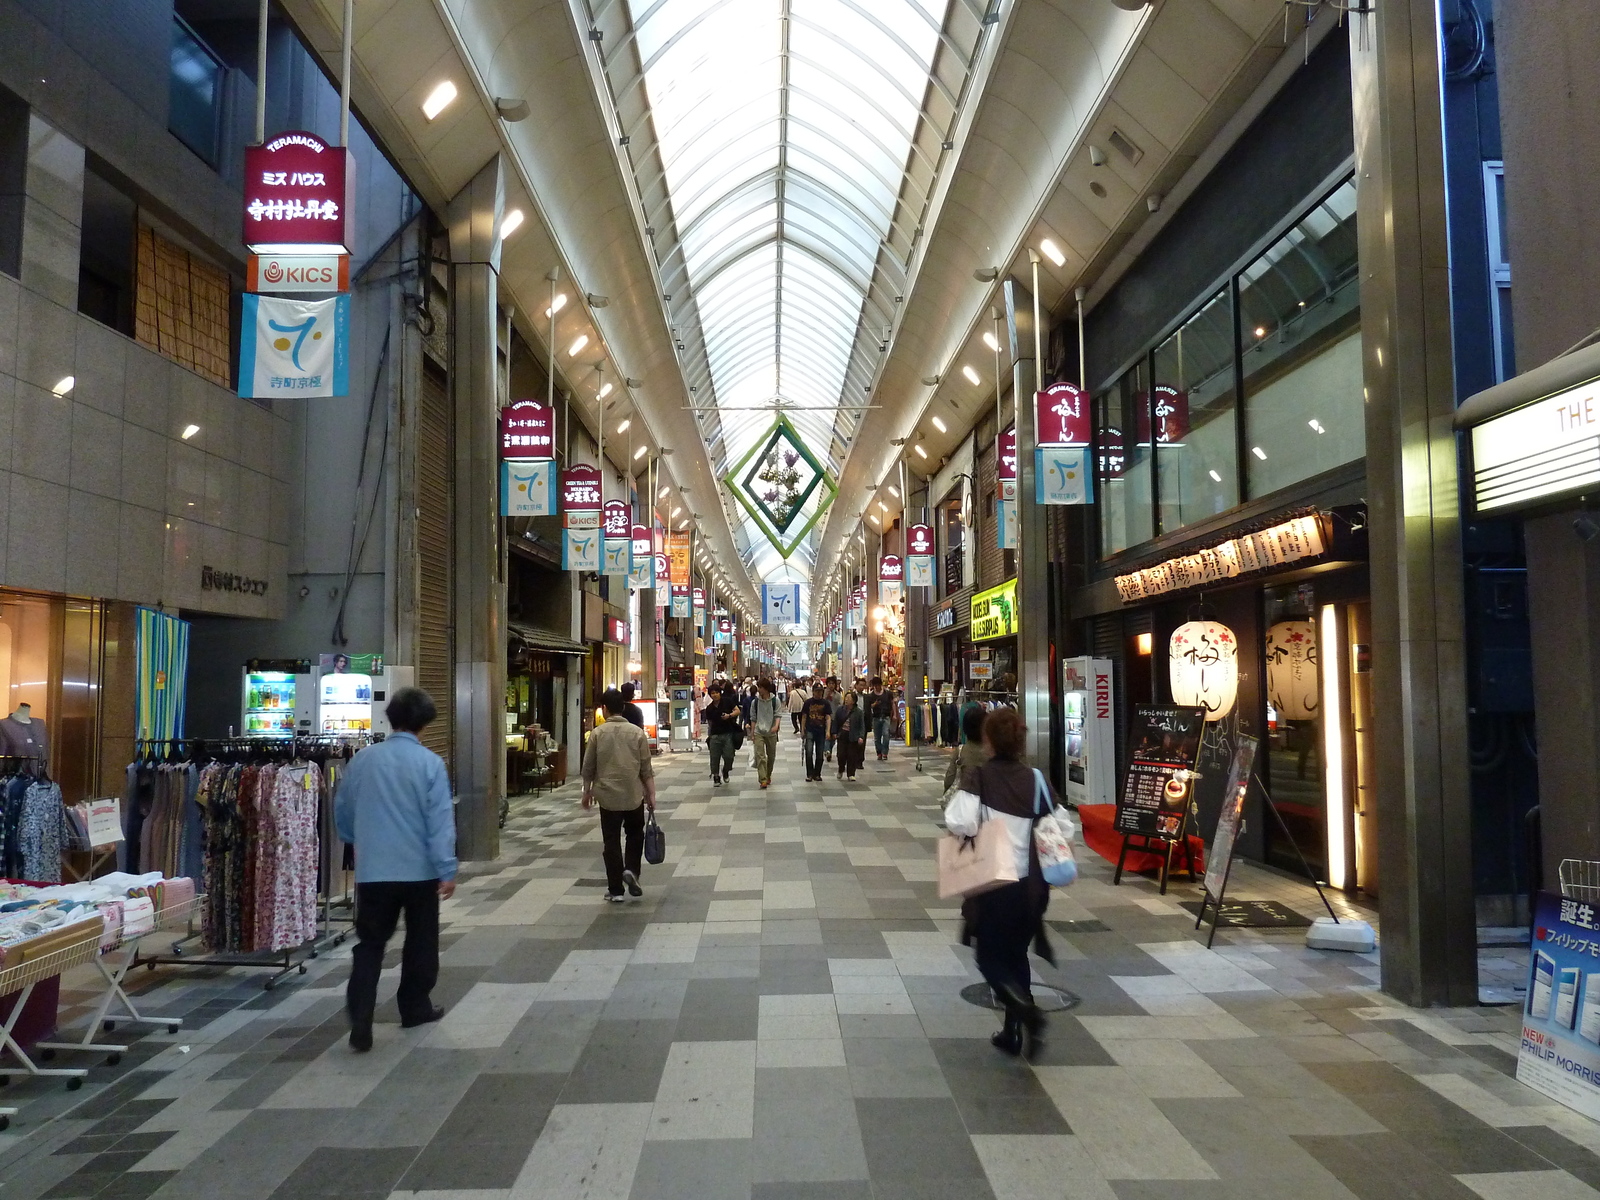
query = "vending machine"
x=279 y=698
x=344 y=704
x=1089 y=704
x=681 y=700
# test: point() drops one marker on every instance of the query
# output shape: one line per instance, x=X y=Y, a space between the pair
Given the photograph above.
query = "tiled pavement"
x=778 y=1019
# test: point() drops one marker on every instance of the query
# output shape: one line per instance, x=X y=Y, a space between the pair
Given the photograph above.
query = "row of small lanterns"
x=1203 y=658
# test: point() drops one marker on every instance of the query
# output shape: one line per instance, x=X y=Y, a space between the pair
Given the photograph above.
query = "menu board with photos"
x=1164 y=743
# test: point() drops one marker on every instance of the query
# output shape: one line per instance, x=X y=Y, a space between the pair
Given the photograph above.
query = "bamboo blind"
x=181 y=307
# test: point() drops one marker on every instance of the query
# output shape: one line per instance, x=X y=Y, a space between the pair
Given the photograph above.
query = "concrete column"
x=1033 y=555
x=1419 y=681
x=480 y=594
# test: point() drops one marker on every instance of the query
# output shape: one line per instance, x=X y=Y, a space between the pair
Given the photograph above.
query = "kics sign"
x=298 y=194
x=298 y=273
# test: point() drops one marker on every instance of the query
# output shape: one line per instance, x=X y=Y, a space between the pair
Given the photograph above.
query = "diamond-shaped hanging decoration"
x=776 y=482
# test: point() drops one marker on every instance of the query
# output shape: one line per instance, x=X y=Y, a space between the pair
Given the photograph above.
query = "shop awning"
x=539 y=639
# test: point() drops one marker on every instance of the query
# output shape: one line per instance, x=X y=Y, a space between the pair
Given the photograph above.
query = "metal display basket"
x=1580 y=880
x=79 y=944
x=173 y=916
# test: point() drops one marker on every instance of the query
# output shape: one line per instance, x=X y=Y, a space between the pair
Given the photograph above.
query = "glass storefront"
x=51 y=652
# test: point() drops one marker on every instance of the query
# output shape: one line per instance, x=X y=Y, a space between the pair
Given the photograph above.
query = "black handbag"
x=655 y=841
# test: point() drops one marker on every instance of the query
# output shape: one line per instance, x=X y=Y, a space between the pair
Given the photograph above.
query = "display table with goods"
x=48 y=929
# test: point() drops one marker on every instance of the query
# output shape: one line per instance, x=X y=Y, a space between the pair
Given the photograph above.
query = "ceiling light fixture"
x=894 y=491
x=1261 y=331
x=938 y=423
x=189 y=431
x=556 y=305
x=1259 y=453
x=639 y=453
x=1215 y=476
x=1317 y=425
x=605 y=390
x=625 y=425
x=510 y=223
x=986 y=274
x=439 y=99
x=65 y=384
x=675 y=512
x=972 y=376
x=1053 y=252
x=511 y=108
x=577 y=347
x=988 y=340
x=662 y=494
x=921 y=453
x=596 y=300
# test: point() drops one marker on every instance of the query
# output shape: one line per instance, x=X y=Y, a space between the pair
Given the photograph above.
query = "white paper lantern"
x=1292 y=684
x=1204 y=659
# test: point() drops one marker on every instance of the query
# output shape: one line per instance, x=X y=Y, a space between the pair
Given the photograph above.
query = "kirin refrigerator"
x=1089 y=704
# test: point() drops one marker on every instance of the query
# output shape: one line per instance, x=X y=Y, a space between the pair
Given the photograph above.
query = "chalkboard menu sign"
x=1165 y=748
x=1232 y=818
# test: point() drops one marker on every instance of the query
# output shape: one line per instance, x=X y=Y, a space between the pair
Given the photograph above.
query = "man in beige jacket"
x=617 y=772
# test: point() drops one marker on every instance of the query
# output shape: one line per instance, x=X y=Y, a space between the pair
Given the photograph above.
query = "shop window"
x=106 y=264
x=181 y=307
x=1196 y=439
x=1124 y=462
x=50 y=656
x=195 y=92
x=1294 y=743
x=1299 y=309
x=13 y=176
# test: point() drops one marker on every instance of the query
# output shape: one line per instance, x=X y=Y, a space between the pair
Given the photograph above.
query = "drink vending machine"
x=279 y=698
x=1089 y=703
x=680 y=690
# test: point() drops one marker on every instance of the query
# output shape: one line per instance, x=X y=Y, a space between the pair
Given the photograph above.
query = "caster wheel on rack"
x=302 y=968
x=4 y=1080
x=74 y=1084
x=267 y=986
x=5 y=1124
x=110 y=1025
x=113 y=1059
x=47 y=1055
x=174 y=1026
x=919 y=768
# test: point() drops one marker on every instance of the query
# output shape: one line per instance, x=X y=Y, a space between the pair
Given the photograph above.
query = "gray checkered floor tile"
x=779 y=1017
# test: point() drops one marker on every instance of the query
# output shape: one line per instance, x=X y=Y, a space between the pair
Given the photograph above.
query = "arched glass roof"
x=784 y=152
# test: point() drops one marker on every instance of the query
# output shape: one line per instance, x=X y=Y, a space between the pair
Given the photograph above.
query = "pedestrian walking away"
x=797 y=704
x=619 y=776
x=394 y=807
x=632 y=711
x=817 y=720
x=972 y=752
x=765 y=715
x=1007 y=919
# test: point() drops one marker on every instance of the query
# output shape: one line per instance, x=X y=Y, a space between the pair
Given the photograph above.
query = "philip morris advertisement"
x=1560 y=1052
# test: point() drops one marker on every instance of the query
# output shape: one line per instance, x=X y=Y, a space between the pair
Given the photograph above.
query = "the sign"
x=104 y=821
x=891 y=569
x=919 y=556
x=944 y=617
x=1005 y=523
x=1203 y=667
x=1062 y=412
x=580 y=550
x=298 y=273
x=891 y=593
x=1172 y=416
x=581 y=538
x=298 y=195
x=580 y=490
x=919 y=541
x=294 y=347
x=780 y=603
x=617 y=520
x=1164 y=743
x=1546 y=448
x=678 y=548
x=1560 y=1050
x=643 y=574
x=1113 y=453
x=994 y=613
x=527 y=489
x=527 y=430
x=1289 y=542
x=1231 y=819
x=1006 y=464
x=680 y=601
x=981 y=671
x=616 y=631
x=213 y=580
x=1061 y=475
x=662 y=583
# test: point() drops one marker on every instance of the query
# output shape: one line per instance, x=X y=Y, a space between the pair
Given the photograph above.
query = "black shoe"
x=632 y=880
x=435 y=1012
x=1009 y=1039
x=1026 y=1014
x=361 y=1036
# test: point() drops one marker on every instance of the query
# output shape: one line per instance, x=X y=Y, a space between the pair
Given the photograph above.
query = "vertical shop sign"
x=616 y=525
x=1061 y=460
x=1005 y=504
x=780 y=603
x=1172 y=416
x=678 y=549
x=919 y=556
x=681 y=601
x=580 y=518
x=527 y=489
x=1062 y=410
x=294 y=348
x=643 y=574
x=699 y=608
x=663 y=580
x=891 y=579
x=298 y=195
x=527 y=430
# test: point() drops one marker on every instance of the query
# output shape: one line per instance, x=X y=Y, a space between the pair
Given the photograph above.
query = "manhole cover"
x=1048 y=999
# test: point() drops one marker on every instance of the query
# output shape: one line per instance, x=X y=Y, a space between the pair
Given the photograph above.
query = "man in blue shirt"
x=394 y=807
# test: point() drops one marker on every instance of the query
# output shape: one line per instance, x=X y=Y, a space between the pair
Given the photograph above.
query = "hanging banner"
x=643 y=574
x=1005 y=522
x=1062 y=411
x=616 y=523
x=891 y=593
x=527 y=430
x=724 y=635
x=780 y=603
x=858 y=607
x=298 y=195
x=1061 y=475
x=527 y=489
x=891 y=569
x=678 y=545
x=1006 y=464
x=919 y=556
x=699 y=607
x=294 y=347
x=662 y=583
x=580 y=518
x=680 y=601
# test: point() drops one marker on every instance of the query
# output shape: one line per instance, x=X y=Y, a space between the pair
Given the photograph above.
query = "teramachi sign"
x=298 y=193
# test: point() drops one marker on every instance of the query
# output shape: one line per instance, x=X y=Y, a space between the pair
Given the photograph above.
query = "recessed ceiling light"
x=625 y=425
x=938 y=423
x=577 y=346
x=1215 y=476
x=894 y=491
x=189 y=431
x=556 y=305
x=988 y=340
x=510 y=223
x=675 y=512
x=65 y=384
x=921 y=453
x=1052 y=252
x=438 y=99
x=1259 y=453
x=971 y=374
x=1317 y=425
x=662 y=494
x=605 y=390
x=639 y=453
